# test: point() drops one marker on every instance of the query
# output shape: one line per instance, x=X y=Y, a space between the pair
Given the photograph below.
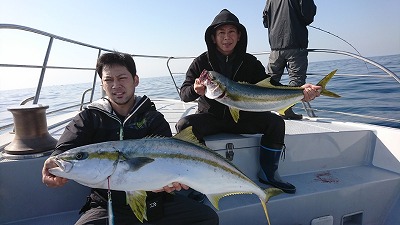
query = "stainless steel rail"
x=44 y=66
x=307 y=107
x=311 y=112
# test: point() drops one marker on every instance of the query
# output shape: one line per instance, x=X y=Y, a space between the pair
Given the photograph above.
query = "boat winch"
x=31 y=133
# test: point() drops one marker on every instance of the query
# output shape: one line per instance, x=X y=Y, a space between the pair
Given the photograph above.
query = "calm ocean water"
x=378 y=97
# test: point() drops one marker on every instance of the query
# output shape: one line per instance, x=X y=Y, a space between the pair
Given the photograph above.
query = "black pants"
x=179 y=211
x=269 y=124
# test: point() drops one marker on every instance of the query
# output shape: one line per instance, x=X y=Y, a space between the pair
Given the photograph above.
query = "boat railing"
x=311 y=111
x=45 y=66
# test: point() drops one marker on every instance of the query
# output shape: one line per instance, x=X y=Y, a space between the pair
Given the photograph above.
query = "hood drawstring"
x=283 y=155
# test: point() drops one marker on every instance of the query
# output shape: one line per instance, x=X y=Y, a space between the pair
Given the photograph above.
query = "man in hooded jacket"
x=226 y=40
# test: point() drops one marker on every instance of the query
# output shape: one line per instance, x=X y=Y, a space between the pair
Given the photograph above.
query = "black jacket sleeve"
x=187 y=92
x=75 y=134
x=158 y=125
x=199 y=64
x=308 y=10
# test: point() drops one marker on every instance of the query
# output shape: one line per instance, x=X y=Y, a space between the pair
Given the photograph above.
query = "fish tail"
x=264 y=205
x=269 y=192
x=323 y=83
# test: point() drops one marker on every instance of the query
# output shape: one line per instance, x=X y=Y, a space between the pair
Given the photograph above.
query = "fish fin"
x=187 y=135
x=243 y=82
x=323 y=83
x=265 y=83
x=269 y=192
x=152 y=136
x=234 y=113
x=329 y=93
x=134 y=164
x=137 y=202
x=282 y=111
x=214 y=198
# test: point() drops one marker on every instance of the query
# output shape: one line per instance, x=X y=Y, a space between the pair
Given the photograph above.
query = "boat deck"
x=344 y=174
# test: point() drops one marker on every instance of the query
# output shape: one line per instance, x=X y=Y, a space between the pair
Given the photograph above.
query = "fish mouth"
x=213 y=88
x=205 y=77
x=63 y=165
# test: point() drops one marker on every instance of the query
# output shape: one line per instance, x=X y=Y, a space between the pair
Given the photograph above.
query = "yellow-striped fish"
x=259 y=97
x=148 y=164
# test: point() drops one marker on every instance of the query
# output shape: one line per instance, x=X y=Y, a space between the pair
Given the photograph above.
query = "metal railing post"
x=46 y=58
x=94 y=79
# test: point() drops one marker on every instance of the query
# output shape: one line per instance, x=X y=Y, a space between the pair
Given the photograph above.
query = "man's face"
x=226 y=37
x=119 y=85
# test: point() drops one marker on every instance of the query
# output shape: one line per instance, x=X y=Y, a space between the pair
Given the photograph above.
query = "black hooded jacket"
x=99 y=123
x=239 y=66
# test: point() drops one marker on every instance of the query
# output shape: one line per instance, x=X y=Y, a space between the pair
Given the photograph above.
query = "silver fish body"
x=151 y=163
x=259 y=97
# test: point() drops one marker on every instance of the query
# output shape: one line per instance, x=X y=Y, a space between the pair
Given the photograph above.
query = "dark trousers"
x=296 y=62
x=179 y=211
x=269 y=124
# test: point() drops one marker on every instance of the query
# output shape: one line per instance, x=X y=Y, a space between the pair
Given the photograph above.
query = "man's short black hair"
x=116 y=58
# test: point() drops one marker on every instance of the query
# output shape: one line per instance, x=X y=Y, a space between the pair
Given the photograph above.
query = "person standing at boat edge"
x=287 y=22
x=226 y=40
x=123 y=115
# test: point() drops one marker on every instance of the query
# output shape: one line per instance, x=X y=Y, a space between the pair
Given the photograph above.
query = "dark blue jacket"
x=287 y=22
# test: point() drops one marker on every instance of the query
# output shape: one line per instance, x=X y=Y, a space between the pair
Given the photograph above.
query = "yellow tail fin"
x=270 y=192
x=323 y=83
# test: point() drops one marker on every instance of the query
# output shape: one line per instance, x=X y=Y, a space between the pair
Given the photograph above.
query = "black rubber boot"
x=290 y=115
x=268 y=174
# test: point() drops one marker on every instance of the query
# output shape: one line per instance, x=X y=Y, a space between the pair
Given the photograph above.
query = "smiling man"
x=119 y=116
x=226 y=40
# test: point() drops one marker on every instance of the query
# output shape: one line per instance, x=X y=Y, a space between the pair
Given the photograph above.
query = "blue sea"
x=366 y=95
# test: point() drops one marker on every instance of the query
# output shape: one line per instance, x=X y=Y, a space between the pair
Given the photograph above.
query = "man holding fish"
x=226 y=57
x=120 y=116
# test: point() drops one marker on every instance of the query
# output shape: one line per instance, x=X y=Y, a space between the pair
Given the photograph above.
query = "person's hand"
x=49 y=179
x=199 y=88
x=310 y=92
x=174 y=187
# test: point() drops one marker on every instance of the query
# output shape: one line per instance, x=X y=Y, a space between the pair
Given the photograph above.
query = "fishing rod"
x=337 y=37
x=317 y=28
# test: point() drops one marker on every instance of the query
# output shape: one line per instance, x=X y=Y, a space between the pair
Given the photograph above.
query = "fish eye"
x=81 y=155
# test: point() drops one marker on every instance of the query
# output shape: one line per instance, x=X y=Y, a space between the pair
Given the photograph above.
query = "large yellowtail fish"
x=259 y=97
x=148 y=164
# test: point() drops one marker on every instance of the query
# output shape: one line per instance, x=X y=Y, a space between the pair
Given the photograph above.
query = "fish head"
x=86 y=165
x=212 y=81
